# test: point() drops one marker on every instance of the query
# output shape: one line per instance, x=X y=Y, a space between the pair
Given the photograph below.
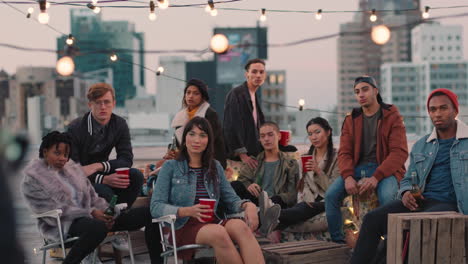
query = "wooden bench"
x=434 y=237
x=305 y=252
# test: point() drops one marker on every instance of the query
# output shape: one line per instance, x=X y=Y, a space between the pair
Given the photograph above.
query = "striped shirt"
x=201 y=191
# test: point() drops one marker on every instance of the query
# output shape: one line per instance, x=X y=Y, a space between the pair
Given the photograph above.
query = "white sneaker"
x=89 y=259
x=120 y=243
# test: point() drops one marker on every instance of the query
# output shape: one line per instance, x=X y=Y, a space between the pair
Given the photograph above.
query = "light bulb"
x=214 y=12
x=159 y=71
x=163 y=4
x=373 y=16
x=219 y=43
x=263 y=15
x=97 y=10
x=380 y=34
x=30 y=10
x=301 y=102
x=65 y=66
x=425 y=14
x=69 y=40
x=207 y=8
x=152 y=16
x=47 y=5
x=94 y=2
x=43 y=18
x=318 y=15
x=114 y=57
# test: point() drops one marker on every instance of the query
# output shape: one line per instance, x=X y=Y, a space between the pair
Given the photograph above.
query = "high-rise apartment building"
x=274 y=98
x=407 y=84
x=96 y=40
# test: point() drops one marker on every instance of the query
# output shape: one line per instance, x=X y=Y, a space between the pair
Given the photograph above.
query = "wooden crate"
x=306 y=252
x=434 y=237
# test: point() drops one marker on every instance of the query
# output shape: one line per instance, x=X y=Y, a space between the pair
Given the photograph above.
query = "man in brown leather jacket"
x=373 y=150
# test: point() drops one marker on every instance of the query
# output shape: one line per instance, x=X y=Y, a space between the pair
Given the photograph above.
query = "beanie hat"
x=451 y=95
x=202 y=87
x=369 y=80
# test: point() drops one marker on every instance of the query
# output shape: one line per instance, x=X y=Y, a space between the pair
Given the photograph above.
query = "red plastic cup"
x=122 y=171
x=285 y=137
x=304 y=159
x=211 y=202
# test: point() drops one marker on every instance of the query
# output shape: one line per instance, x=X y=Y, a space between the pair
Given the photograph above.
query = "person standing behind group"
x=195 y=175
x=94 y=136
x=196 y=103
x=243 y=115
x=373 y=151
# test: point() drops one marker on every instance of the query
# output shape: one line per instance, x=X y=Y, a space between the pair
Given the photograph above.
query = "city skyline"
x=310 y=67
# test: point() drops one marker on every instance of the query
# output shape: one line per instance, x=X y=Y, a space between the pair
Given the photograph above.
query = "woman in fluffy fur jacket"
x=52 y=182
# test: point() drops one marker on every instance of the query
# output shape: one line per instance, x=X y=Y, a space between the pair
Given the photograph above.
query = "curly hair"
x=54 y=138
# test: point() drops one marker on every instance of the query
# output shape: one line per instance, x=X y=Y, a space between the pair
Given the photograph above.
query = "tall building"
x=438 y=64
x=436 y=42
x=274 y=98
x=93 y=34
x=358 y=55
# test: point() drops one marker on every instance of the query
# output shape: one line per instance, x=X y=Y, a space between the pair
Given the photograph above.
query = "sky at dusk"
x=311 y=67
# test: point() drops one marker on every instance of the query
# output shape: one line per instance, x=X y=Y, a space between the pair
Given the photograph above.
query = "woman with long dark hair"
x=195 y=175
x=196 y=103
x=322 y=169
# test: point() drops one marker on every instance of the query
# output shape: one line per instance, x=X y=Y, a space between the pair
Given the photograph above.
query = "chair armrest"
x=52 y=213
x=165 y=219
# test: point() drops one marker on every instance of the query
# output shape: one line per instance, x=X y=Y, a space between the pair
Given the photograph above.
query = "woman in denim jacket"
x=195 y=175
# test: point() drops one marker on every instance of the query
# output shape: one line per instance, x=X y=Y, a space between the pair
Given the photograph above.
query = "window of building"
x=441 y=48
x=272 y=78
x=280 y=78
x=449 y=37
x=433 y=48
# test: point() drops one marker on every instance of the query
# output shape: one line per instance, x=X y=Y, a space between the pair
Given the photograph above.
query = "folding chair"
x=61 y=244
x=171 y=249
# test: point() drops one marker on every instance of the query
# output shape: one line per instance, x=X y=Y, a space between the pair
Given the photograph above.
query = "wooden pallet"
x=306 y=252
x=434 y=237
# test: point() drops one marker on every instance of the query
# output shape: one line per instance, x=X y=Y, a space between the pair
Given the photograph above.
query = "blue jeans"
x=386 y=192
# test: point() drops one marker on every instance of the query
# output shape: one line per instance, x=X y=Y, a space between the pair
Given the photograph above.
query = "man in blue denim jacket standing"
x=440 y=161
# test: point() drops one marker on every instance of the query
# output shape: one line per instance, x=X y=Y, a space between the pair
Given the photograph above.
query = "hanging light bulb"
x=318 y=15
x=70 y=40
x=96 y=9
x=263 y=17
x=152 y=14
x=113 y=57
x=160 y=70
x=373 y=16
x=214 y=12
x=163 y=4
x=219 y=43
x=425 y=14
x=47 y=5
x=43 y=17
x=210 y=6
x=380 y=34
x=65 y=66
x=30 y=11
x=301 y=104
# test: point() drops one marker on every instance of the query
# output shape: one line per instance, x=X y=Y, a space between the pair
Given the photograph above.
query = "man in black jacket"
x=243 y=115
x=94 y=136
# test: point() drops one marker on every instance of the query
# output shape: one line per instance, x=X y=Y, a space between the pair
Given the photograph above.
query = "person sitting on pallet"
x=276 y=174
x=435 y=177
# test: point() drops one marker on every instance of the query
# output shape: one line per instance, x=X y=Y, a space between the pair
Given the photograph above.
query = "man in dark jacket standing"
x=373 y=151
x=94 y=136
x=243 y=115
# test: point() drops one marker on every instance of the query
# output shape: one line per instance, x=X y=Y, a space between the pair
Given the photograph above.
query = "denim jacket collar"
x=462 y=132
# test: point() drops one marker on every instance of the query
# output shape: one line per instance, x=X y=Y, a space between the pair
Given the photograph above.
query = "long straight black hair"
x=208 y=161
x=323 y=123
